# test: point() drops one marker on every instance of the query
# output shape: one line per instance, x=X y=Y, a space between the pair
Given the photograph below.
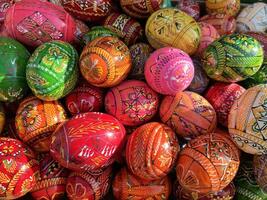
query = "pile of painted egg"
x=133 y=100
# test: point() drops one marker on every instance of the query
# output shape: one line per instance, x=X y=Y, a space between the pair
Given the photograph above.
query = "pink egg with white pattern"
x=169 y=70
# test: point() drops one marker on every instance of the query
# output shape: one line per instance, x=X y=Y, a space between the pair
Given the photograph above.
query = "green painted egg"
x=52 y=70
x=97 y=31
x=13 y=61
x=245 y=182
x=233 y=58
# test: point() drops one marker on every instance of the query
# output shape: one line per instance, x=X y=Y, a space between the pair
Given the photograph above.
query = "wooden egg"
x=105 y=62
x=37 y=22
x=224 y=24
x=14 y=58
x=260 y=171
x=188 y=114
x=222 y=96
x=207 y=163
x=87 y=142
x=246 y=121
x=126 y=186
x=139 y=54
x=125 y=27
x=221 y=62
x=169 y=70
x=2 y=117
x=227 y=7
x=252 y=18
x=151 y=151
x=36 y=120
x=173 y=27
x=87 y=10
x=86 y=186
x=51 y=184
x=200 y=80
x=140 y=9
x=208 y=35
x=52 y=70
x=132 y=102
x=84 y=98
x=191 y=7
x=19 y=169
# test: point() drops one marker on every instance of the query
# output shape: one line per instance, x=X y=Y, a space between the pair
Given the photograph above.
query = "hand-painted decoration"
x=227 y=7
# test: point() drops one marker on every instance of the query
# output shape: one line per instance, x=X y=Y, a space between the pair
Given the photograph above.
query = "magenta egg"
x=169 y=70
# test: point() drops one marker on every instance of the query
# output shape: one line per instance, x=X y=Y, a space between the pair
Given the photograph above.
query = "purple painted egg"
x=169 y=70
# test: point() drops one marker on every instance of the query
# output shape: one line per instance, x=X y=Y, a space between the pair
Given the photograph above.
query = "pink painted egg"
x=132 y=102
x=35 y=22
x=191 y=7
x=208 y=35
x=169 y=70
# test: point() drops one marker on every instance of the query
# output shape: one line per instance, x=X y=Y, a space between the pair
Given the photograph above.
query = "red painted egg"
x=169 y=70
x=4 y=5
x=126 y=186
x=105 y=62
x=35 y=22
x=87 y=10
x=51 y=184
x=86 y=186
x=207 y=163
x=36 y=120
x=208 y=35
x=87 y=142
x=188 y=114
x=85 y=98
x=151 y=151
x=191 y=7
x=125 y=27
x=222 y=97
x=19 y=170
x=132 y=102
x=224 y=24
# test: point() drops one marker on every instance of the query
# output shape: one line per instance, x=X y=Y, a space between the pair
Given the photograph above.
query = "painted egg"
x=97 y=31
x=246 y=120
x=233 y=58
x=14 y=58
x=253 y=18
x=260 y=171
x=81 y=30
x=169 y=70
x=188 y=114
x=52 y=70
x=151 y=151
x=105 y=62
x=127 y=186
x=200 y=80
x=140 y=9
x=36 y=120
x=4 y=5
x=208 y=35
x=222 y=96
x=125 y=27
x=85 y=186
x=176 y=29
x=87 y=142
x=227 y=193
x=37 y=22
x=208 y=163
x=139 y=54
x=51 y=184
x=224 y=24
x=259 y=78
x=2 y=117
x=132 y=102
x=227 y=7
x=191 y=7
x=245 y=182
x=87 y=10
x=19 y=169
x=85 y=98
